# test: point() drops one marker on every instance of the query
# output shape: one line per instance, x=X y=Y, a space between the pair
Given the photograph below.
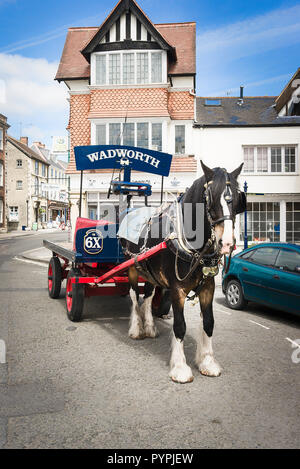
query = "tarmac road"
x=88 y=385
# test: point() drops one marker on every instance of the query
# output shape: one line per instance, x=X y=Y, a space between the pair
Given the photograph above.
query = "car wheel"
x=234 y=295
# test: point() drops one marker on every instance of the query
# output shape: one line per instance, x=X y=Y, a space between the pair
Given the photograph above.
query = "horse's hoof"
x=151 y=332
x=209 y=367
x=136 y=334
x=181 y=374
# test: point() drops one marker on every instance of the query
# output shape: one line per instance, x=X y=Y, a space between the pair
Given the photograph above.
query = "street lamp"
x=245 y=215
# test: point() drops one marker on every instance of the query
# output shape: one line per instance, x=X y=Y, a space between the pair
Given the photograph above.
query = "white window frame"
x=19 y=186
x=19 y=165
x=269 y=173
x=149 y=121
x=121 y=53
x=13 y=213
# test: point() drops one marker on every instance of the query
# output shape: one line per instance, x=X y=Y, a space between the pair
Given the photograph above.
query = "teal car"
x=268 y=274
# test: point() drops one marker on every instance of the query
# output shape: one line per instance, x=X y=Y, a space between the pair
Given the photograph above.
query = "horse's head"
x=224 y=201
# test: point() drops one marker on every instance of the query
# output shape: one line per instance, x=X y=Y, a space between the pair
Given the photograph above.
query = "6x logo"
x=93 y=242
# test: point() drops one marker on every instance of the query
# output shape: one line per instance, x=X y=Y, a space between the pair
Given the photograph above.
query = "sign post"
x=245 y=219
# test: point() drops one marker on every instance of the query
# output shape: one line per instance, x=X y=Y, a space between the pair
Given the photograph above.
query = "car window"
x=265 y=256
x=288 y=260
x=247 y=255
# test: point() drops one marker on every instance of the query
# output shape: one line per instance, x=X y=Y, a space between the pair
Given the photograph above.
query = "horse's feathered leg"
x=204 y=356
x=146 y=311
x=136 y=328
x=179 y=370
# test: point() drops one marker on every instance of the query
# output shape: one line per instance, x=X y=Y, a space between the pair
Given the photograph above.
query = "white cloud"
x=48 y=36
x=262 y=33
x=32 y=96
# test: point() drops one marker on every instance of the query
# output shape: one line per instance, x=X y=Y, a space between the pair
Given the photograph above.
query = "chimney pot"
x=24 y=140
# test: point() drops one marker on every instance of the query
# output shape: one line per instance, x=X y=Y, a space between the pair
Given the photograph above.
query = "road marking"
x=223 y=311
x=265 y=327
x=293 y=342
x=2 y=351
x=39 y=263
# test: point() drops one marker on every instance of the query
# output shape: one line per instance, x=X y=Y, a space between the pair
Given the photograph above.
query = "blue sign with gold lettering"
x=120 y=156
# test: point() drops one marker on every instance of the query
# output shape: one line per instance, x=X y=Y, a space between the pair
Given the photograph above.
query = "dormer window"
x=129 y=68
x=212 y=102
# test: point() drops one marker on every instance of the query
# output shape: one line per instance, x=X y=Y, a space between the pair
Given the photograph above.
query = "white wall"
x=224 y=147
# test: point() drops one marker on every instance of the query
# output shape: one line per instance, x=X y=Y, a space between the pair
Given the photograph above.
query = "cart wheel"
x=54 y=277
x=74 y=297
x=161 y=302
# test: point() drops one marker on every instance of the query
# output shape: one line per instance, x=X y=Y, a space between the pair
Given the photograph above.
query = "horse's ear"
x=235 y=174
x=208 y=173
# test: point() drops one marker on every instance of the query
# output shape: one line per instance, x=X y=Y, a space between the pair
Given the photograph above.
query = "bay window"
x=101 y=134
x=156 y=67
x=100 y=69
x=142 y=67
x=128 y=134
x=157 y=137
x=142 y=135
x=114 y=69
x=135 y=134
x=180 y=139
x=114 y=134
x=128 y=68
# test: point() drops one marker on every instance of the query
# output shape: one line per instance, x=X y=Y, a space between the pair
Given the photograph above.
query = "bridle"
x=229 y=200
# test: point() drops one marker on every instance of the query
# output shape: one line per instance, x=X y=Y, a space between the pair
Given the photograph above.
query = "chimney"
x=39 y=144
x=240 y=101
x=24 y=140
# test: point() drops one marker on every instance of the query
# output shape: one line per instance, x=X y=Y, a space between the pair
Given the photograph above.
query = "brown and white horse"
x=180 y=269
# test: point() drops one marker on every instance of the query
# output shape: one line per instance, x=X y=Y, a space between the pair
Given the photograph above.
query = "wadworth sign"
x=118 y=156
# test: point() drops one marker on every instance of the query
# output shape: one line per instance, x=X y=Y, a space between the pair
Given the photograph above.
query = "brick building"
x=130 y=82
x=3 y=128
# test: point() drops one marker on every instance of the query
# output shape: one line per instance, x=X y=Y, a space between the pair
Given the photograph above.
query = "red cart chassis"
x=90 y=279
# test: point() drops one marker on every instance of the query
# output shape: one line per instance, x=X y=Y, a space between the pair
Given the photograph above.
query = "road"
x=88 y=385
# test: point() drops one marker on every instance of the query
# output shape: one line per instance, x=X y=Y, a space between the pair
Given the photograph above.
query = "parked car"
x=268 y=274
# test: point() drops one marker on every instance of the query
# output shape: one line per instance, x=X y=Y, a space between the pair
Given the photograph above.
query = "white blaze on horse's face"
x=225 y=231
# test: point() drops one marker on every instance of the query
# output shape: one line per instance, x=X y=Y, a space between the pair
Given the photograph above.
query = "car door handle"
x=276 y=276
x=245 y=269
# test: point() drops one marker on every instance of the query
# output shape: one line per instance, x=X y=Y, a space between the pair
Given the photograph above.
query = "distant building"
x=27 y=172
x=57 y=187
x=3 y=129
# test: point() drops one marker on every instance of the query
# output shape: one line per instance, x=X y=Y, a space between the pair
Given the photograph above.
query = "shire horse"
x=180 y=269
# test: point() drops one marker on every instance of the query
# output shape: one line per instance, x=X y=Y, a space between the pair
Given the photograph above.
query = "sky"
x=254 y=44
